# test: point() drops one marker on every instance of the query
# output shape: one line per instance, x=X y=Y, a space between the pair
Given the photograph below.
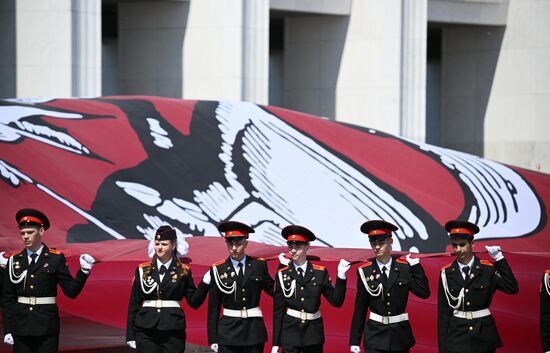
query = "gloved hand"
x=343 y=267
x=8 y=339
x=283 y=260
x=494 y=252
x=131 y=344
x=206 y=278
x=274 y=349
x=214 y=347
x=412 y=261
x=3 y=259
x=86 y=263
x=355 y=349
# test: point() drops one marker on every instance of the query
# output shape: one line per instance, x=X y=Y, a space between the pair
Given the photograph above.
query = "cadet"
x=156 y=321
x=545 y=311
x=238 y=284
x=297 y=322
x=466 y=288
x=31 y=318
x=383 y=286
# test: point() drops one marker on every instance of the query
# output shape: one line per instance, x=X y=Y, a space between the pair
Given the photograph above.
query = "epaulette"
x=55 y=251
x=318 y=267
x=402 y=261
x=487 y=263
x=219 y=262
x=144 y=264
x=282 y=269
x=446 y=266
x=547 y=271
x=365 y=264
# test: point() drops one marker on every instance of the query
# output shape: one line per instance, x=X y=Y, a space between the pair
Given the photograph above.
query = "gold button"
x=471 y=328
x=244 y=299
x=389 y=312
x=30 y=309
x=389 y=294
x=301 y=288
x=467 y=303
x=466 y=290
x=302 y=299
x=32 y=276
x=32 y=287
x=158 y=310
x=303 y=321
x=388 y=303
x=243 y=289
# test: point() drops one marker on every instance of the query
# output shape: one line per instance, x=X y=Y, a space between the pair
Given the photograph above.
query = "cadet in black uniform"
x=466 y=289
x=297 y=322
x=31 y=318
x=383 y=286
x=238 y=284
x=156 y=321
x=545 y=311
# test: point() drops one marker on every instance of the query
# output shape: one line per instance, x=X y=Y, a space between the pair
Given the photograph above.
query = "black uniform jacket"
x=392 y=300
x=236 y=331
x=545 y=311
x=41 y=280
x=174 y=286
x=472 y=335
x=291 y=331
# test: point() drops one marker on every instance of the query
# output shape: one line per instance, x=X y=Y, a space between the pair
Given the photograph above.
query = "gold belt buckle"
x=385 y=320
x=303 y=315
x=244 y=313
x=158 y=303
x=469 y=315
x=32 y=300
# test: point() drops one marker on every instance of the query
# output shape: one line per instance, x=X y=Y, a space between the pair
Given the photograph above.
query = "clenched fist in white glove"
x=131 y=344
x=355 y=349
x=214 y=347
x=274 y=349
x=86 y=263
x=494 y=252
x=206 y=278
x=3 y=259
x=283 y=259
x=343 y=267
x=8 y=339
x=412 y=261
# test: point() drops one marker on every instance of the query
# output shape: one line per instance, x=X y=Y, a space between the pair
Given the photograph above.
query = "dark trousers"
x=156 y=341
x=35 y=344
x=257 y=348
x=316 y=348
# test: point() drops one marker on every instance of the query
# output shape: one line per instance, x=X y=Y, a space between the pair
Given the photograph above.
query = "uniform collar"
x=387 y=265
x=37 y=252
x=167 y=264
x=303 y=267
x=236 y=263
x=469 y=264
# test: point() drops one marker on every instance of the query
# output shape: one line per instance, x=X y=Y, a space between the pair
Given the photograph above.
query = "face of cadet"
x=382 y=248
x=164 y=249
x=463 y=249
x=31 y=237
x=236 y=247
x=298 y=251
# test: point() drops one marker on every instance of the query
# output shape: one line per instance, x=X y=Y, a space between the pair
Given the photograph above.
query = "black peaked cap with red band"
x=165 y=233
x=231 y=229
x=295 y=233
x=29 y=217
x=378 y=230
x=461 y=229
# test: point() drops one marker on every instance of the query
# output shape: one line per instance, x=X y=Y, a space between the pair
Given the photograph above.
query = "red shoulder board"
x=318 y=267
x=547 y=271
x=144 y=264
x=402 y=261
x=219 y=262
x=185 y=266
x=282 y=269
x=55 y=251
x=446 y=266
x=485 y=262
x=365 y=264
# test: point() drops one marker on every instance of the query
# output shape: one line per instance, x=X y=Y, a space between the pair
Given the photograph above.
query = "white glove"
x=494 y=252
x=283 y=260
x=206 y=278
x=86 y=262
x=8 y=339
x=412 y=261
x=3 y=259
x=355 y=349
x=214 y=347
x=131 y=344
x=343 y=267
x=274 y=349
